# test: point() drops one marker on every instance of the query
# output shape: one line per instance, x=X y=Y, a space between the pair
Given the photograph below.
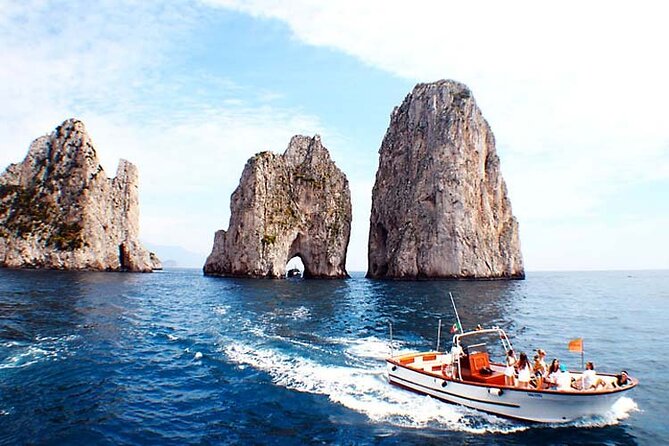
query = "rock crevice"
x=439 y=205
x=295 y=204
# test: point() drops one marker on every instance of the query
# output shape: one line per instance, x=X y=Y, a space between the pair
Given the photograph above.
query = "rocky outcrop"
x=59 y=210
x=439 y=205
x=295 y=204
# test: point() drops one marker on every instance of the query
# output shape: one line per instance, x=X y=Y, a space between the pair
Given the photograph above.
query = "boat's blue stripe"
x=452 y=394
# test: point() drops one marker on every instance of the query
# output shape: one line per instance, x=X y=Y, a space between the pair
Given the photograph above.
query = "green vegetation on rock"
x=27 y=213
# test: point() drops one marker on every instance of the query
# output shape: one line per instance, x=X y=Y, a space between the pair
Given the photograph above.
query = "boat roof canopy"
x=485 y=331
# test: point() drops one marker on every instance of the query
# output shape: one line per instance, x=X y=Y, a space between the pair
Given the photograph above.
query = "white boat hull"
x=543 y=406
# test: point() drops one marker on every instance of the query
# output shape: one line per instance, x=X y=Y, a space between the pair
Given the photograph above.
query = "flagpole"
x=438 y=335
x=582 y=353
x=390 y=324
x=456 y=312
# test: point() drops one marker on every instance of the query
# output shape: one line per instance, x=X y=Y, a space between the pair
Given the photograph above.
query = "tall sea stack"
x=295 y=204
x=58 y=209
x=439 y=205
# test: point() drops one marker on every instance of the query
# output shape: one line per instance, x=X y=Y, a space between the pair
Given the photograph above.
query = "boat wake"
x=365 y=390
x=351 y=372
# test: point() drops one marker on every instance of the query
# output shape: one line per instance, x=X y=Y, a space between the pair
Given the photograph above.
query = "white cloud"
x=575 y=92
x=189 y=134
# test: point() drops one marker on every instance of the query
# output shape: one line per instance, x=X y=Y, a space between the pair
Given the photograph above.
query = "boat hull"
x=538 y=406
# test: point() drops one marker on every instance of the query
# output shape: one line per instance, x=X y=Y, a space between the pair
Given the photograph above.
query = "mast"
x=457 y=317
x=390 y=324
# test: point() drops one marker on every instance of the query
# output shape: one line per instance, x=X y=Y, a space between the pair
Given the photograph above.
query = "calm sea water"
x=178 y=358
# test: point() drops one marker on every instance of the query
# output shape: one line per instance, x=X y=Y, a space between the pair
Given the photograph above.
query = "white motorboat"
x=467 y=376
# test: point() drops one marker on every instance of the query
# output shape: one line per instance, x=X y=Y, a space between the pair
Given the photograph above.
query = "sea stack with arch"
x=295 y=204
x=439 y=205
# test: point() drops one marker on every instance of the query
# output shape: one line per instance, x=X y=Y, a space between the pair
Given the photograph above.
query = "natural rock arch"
x=285 y=205
x=296 y=250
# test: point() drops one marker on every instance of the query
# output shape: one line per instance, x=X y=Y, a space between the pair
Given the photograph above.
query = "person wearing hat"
x=622 y=379
x=564 y=379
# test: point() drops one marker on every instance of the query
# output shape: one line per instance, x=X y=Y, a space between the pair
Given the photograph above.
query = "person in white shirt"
x=510 y=370
x=564 y=379
x=552 y=373
x=524 y=369
x=589 y=379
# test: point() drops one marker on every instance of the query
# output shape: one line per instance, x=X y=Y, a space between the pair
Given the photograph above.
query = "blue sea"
x=178 y=358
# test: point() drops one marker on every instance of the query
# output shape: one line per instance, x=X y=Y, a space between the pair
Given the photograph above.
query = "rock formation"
x=59 y=210
x=295 y=204
x=439 y=205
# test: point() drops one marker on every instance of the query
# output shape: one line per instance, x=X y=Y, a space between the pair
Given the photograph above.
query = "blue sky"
x=575 y=94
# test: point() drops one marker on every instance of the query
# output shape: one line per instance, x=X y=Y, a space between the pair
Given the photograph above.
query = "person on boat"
x=510 y=370
x=589 y=378
x=552 y=373
x=538 y=371
x=622 y=379
x=554 y=367
x=564 y=379
x=542 y=359
x=524 y=371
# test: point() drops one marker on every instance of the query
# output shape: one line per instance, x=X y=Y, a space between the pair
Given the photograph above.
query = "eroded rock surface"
x=295 y=204
x=59 y=210
x=439 y=205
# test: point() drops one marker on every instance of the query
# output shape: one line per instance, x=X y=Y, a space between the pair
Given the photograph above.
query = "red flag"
x=576 y=345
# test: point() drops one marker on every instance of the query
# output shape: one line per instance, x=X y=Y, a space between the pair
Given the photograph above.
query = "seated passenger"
x=589 y=379
x=552 y=373
x=563 y=379
x=622 y=379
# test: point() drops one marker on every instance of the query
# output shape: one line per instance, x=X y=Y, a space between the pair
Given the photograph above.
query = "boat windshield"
x=488 y=341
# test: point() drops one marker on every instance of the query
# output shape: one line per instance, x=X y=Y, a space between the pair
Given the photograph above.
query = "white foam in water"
x=300 y=313
x=47 y=348
x=221 y=310
x=372 y=348
x=365 y=390
x=27 y=357
x=623 y=408
x=620 y=410
x=262 y=334
x=171 y=337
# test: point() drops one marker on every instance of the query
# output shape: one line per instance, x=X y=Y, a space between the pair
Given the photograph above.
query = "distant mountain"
x=176 y=256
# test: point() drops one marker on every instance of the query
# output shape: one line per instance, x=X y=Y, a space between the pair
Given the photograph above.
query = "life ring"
x=445 y=370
